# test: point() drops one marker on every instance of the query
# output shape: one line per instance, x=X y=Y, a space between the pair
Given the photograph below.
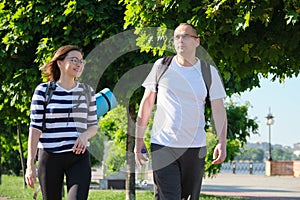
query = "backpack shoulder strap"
x=162 y=68
x=87 y=93
x=206 y=73
x=51 y=86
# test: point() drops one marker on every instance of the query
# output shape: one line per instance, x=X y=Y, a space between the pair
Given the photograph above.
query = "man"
x=178 y=141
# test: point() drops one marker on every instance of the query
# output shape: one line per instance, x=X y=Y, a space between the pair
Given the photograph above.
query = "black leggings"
x=53 y=167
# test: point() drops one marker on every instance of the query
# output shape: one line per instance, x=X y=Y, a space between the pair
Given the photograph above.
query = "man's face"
x=185 y=40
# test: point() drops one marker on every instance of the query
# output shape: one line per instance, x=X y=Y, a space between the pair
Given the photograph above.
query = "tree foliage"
x=32 y=30
x=30 y=33
x=244 y=38
x=253 y=154
x=10 y=159
x=114 y=126
x=282 y=154
x=240 y=126
x=258 y=154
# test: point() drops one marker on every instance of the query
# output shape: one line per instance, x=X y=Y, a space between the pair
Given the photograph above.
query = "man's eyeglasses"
x=184 y=36
x=76 y=61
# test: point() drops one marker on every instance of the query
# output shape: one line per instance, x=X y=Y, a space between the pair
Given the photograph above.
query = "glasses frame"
x=184 y=36
x=76 y=61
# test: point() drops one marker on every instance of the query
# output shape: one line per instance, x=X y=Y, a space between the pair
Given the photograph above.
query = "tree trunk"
x=130 y=158
x=21 y=154
x=0 y=163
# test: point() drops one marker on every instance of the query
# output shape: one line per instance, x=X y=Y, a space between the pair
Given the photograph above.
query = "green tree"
x=251 y=154
x=246 y=39
x=115 y=160
x=10 y=159
x=257 y=154
x=240 y=126
x=30 y=32
x=243 y=45
x=114 y=126
x=282 y=154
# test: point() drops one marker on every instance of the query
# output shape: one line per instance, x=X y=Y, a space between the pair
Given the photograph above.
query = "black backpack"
x=51 y=86
x=205 y=69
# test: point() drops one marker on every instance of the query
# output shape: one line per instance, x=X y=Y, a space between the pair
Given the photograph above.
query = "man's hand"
x=141 y=153
x=219 y=154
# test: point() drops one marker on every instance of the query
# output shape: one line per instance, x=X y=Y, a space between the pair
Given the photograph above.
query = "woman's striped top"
x=67 y=116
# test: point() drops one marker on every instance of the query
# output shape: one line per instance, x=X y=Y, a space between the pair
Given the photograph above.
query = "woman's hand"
x=83 y=140
x=30 y=176
x=80 y=144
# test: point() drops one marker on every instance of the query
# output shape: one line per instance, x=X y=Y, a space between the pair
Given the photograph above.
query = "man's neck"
x=186 y=61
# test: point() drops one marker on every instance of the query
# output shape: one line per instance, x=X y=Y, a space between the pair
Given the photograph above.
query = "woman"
x=61 y=128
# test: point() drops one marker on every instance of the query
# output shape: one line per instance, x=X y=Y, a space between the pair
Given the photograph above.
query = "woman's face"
x=72 y=65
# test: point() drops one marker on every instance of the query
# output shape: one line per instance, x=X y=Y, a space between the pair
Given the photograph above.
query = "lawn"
x=12 y=188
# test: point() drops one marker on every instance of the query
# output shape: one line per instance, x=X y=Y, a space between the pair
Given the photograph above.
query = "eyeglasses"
x=76 y=61
x=184 y=36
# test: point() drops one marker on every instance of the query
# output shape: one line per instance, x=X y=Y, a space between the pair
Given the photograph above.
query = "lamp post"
x=269 y=122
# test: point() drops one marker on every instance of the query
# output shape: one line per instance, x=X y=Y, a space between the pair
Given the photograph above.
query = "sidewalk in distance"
x=253 y=186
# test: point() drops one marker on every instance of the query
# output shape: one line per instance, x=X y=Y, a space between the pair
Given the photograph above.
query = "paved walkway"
x=253 y=186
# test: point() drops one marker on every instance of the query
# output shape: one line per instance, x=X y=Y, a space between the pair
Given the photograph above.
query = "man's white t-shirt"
x=179 y=118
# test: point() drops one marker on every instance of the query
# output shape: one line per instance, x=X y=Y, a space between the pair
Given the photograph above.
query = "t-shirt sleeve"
x=217 y=90
x=37 y=107
x=150 y=82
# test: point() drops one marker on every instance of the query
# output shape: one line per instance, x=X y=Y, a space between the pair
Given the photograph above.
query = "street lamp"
x=270 y=121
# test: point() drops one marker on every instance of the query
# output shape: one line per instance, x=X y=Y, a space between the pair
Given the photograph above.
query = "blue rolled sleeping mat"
x=105 y=101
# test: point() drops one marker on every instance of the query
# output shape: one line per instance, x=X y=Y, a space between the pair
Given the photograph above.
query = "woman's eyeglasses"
x=76 y=61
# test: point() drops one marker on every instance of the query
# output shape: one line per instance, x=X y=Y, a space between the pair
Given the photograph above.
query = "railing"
x=243 y=167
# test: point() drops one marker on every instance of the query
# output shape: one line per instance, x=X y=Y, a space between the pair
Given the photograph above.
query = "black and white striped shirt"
x=67 y=116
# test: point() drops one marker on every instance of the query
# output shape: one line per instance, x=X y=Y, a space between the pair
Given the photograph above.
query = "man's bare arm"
x=220 y=121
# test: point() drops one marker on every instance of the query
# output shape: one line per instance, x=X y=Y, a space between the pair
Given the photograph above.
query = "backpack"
x=51 y=86
x=205 y=69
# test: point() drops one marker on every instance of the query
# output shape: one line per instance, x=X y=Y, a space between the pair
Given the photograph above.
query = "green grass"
x=12 y=188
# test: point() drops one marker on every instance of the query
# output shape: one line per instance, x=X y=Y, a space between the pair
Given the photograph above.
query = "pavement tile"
x=253 y=186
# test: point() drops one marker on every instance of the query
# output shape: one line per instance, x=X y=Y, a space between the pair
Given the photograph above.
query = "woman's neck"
x=67 y=84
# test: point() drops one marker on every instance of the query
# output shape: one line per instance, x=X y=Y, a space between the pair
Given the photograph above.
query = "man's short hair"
x=187 y=24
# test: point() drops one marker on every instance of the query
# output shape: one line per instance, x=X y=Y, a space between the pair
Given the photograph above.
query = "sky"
x=283 y=99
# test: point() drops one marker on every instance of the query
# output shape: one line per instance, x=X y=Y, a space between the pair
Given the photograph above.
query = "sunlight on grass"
x=12 y=188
